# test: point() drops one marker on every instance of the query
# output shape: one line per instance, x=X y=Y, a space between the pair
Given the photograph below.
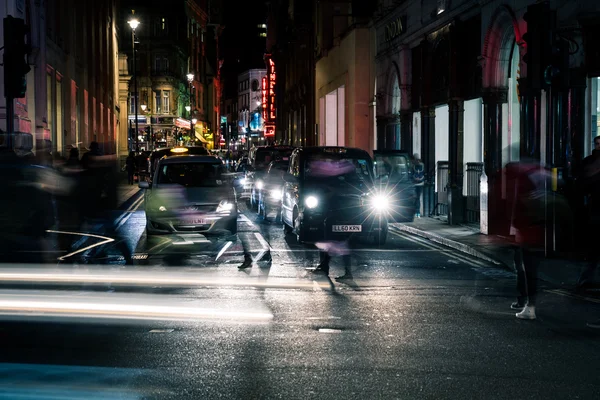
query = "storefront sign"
x=271 y=75
x=269 y=130
x=265 y=98
x=183 y=123
x=395 y=28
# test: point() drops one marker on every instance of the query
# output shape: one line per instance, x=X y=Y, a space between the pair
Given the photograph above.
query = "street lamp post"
x=190 y=78
x=193 y=121
x=134 y=23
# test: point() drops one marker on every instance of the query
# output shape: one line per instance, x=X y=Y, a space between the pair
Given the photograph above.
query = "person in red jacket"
x=526 y=193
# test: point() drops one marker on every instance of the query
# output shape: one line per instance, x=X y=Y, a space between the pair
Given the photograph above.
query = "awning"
x=199 y=136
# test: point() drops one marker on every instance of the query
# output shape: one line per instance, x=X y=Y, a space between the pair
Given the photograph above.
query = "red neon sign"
x=270 y=130
x=264 y=97
x=272 y=79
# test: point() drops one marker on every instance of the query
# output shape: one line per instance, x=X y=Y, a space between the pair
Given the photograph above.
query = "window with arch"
x=395 y=96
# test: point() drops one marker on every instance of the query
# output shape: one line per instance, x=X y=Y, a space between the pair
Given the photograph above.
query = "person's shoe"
x=594 y=324
x=517 y=305
x=344 y=277
x=527 y=313
x=267 y=258
x=318 y=270
x=246 y=264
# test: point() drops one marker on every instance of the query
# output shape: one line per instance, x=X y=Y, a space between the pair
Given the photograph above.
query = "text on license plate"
x=192 y=222
x=346 y=228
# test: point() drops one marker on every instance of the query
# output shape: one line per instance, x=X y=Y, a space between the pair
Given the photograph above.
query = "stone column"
x=428 y=157
x=455 y=198
x=492 y=157
x=406 y=134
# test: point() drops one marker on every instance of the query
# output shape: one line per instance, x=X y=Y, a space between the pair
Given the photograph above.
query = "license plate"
x=191 y=222
x=346 y=228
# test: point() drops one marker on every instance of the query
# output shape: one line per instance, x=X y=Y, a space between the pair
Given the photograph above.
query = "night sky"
x=240 y=46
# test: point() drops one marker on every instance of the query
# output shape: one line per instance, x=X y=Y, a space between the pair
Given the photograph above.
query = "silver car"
x=190 y=194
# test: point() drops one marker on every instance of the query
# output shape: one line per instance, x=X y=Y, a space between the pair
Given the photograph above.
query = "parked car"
x=190 y=194
x=393 y=171
x=326 y=204
x=270 y=188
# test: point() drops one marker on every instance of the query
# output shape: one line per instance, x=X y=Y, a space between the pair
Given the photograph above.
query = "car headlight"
x=276 y=194
x=224 y=205
x=162 y=208
x=380 y=202
x=311 y=202
x=259 y=184
x=243 y=181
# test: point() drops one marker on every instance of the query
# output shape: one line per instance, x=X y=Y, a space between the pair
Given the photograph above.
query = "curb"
x=464 y=248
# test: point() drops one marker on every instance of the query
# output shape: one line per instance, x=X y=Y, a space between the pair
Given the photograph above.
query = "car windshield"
x=278 y=169
x=191 y=174
x=337 y=168
x=264 y=157
x=394 y=168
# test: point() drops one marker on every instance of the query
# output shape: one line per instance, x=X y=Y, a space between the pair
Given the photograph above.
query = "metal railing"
x=472 y=209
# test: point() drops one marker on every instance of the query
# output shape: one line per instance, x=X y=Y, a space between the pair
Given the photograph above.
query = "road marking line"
x=104 y=241
x=223 y=250
x=129 y=213
x=263 y=241
x=327 y=330
x=441 y=249
x=562 y=292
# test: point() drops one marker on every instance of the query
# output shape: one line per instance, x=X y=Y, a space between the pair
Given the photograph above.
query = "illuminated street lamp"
x=190 y=78
x=134 y=23
x=143 y=107
x=193 y=120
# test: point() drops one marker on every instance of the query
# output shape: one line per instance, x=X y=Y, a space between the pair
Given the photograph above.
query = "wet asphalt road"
x=418 y=321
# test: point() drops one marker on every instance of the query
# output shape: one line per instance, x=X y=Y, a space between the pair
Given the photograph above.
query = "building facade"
x=197 y=14
x=162 y=45
x=344 y=78
x=453 y=85
x=72 y=88
x=290 y=45
x=251 y=123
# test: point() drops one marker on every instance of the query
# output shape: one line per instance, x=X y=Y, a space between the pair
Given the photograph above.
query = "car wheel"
x=300 y=236
x=287 y=229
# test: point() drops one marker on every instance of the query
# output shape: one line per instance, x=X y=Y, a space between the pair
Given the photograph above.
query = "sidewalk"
x=125 y=191
x=495 y=249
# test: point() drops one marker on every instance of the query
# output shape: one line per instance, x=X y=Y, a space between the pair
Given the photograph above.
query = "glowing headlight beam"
x=311 y=202
x=380 y=202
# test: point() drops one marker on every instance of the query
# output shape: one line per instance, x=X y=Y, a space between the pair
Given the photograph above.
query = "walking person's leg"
x=247 y=254
x=521 y=280
x=530 y=263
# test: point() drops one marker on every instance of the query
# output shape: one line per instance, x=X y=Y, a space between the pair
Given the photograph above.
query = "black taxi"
x=330 y=194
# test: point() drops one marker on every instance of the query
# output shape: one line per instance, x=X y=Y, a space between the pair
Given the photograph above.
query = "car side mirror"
x=144 y=185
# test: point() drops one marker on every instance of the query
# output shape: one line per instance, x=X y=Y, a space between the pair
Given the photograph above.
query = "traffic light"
x=16 y=50
x=541 y=21
x=557 y=71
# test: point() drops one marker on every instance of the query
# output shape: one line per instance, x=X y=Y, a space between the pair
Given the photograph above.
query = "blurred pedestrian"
x=322 y=169
x=418 y=178
x=528 y=222
x=130 y=165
